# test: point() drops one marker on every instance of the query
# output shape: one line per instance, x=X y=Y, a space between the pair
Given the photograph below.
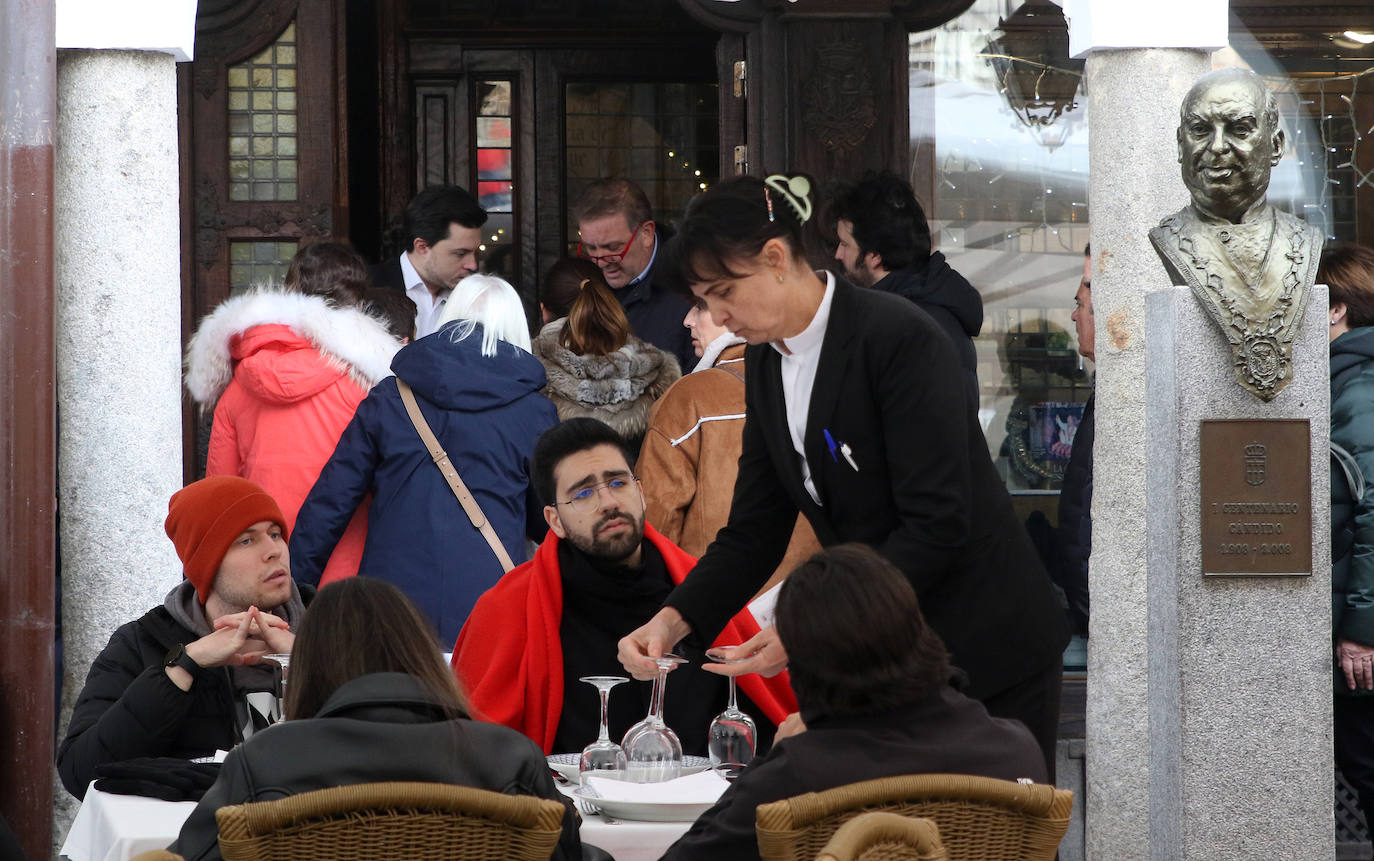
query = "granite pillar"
x=118 y=346
x=1134 y=182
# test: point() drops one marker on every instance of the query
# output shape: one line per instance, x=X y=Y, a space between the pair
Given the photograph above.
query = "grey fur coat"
x=619 y=389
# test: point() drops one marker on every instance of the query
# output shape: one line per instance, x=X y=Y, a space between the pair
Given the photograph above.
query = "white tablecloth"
x=118 y=827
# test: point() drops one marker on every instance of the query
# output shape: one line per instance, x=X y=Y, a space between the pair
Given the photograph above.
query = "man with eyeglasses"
x=558 y=618
x=618 y=232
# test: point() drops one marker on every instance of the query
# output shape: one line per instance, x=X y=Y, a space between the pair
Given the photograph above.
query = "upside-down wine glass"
x=603 y=755
x=733 y=736
x=652 y=751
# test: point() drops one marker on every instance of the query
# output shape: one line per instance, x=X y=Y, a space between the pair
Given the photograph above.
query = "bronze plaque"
x=1256 y=497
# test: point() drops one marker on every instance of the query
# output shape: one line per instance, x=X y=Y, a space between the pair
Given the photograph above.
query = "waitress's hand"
x=654 y=639
x=763 y=653
x=1357 y=662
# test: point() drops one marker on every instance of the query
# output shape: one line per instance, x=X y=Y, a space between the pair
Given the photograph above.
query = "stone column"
x=1134 y=182
x=1181 y=759
x=118 y=344
x=118 y=319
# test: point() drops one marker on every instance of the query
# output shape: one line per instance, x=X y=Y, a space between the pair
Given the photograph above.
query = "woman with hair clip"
x=283 y=370
x=371 y=700
x=856 y=418
x=477 y=387
x=595 y=367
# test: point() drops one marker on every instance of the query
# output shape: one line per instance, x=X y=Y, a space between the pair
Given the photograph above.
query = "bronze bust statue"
x=1250 y=265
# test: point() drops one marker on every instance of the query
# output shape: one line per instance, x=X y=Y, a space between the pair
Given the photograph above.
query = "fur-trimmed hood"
x=287 y=345
x=618 y=389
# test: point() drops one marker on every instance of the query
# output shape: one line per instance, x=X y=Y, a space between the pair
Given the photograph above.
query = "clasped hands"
x=242 y=638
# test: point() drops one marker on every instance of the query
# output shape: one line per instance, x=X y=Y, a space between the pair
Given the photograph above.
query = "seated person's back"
x=873 y=682
x=185 y=679
x=558 y=617
x=369 y=701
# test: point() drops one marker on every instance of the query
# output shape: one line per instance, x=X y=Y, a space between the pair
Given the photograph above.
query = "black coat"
x=944 y=734
x=129 y=708
x=655 y=313
x=1075 y=542
x=946 y=296
x=375 y=728
x=388 y=274
x=925 y=494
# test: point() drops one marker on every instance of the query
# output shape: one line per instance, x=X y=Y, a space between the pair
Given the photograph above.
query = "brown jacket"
x=690 y=457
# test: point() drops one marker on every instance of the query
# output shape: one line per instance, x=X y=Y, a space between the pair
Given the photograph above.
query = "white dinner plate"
x=645 y=811
x=566 y=765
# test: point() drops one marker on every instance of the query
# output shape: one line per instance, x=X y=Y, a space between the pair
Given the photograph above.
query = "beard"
x=611 y=548
x=859 y=277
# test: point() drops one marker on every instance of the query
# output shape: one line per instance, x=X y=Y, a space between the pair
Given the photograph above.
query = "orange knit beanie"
x=204 y=518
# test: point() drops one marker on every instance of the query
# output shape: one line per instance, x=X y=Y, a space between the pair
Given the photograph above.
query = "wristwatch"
x=177 y=657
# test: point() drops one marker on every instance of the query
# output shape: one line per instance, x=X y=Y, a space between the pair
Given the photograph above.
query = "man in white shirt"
x=442 y=226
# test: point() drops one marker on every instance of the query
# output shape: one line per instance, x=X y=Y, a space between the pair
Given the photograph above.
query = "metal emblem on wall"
x=838 y=97
x=1256 y=483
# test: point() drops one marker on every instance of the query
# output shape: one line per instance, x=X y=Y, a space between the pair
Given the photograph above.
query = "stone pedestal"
x=118 y=347
x=1238 y=688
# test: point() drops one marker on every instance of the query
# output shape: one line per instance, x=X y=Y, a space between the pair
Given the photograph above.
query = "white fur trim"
x=347 y=337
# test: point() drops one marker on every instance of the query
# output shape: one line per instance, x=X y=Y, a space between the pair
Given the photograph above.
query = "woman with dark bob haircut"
x=855 y=416
x=370 y=699
x=874 y=684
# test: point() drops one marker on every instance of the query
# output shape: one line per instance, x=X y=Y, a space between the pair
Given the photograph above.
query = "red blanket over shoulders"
x=509 y=658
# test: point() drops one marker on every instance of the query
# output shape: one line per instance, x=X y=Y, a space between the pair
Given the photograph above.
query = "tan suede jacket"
x=690 y=457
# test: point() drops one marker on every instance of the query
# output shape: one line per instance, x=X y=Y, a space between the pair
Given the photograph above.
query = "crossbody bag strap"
x=455 y=483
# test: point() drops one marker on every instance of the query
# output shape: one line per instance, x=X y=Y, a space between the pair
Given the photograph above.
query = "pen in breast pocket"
x=848 y=455
x=830 y=444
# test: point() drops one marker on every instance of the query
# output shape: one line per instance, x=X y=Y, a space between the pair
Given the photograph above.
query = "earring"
x=779 y=277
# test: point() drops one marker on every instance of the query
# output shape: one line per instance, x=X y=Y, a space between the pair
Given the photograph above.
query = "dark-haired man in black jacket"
x=186 y=678
x=884 y=243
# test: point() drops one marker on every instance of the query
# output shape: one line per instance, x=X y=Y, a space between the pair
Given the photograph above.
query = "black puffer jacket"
x=379 y=727
x=129 y=708
x=954 y=303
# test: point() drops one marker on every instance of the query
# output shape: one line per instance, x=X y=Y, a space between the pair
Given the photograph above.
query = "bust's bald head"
x=1229 y=140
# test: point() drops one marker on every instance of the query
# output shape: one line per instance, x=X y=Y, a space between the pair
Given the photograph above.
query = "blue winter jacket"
x=487 y=412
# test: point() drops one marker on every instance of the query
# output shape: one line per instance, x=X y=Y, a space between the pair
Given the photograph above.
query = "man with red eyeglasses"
x=617 y=231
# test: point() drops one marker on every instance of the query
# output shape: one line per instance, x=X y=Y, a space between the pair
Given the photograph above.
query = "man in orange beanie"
x=188 y=677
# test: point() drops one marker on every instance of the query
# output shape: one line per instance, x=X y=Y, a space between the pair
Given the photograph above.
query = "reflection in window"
x=663 y=136
x=258 y=261
x=1010 y=212
x=262 y=123
x=494 y=157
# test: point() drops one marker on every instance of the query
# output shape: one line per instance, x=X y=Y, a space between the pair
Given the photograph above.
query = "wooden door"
x=262 y=162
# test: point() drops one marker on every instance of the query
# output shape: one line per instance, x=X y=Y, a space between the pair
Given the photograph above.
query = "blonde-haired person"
x=478 y=388
x=596 y=368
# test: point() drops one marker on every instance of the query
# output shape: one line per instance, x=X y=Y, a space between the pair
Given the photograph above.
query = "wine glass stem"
x=605 y=735
x=733 y=706
x=656 y=703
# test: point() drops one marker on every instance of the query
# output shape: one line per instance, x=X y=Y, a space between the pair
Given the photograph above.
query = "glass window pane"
x=262 y=120
x=493 y=131
x=658 y=134
x=494 y=164
x=494 y=99
x=494 y=196
x=258 y=261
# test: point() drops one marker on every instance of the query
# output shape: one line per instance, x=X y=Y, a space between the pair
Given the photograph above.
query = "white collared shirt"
x=800 y=359
x=428 y=309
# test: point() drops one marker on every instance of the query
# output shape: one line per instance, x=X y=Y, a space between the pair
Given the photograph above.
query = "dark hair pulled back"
x=576 y=289
x=731 y=223
x=331 y=270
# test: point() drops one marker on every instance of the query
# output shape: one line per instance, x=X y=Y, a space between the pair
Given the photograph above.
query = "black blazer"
x=388 y=274
x=924 y=494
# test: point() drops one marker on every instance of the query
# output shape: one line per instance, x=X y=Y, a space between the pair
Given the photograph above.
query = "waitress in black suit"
x=856 y=417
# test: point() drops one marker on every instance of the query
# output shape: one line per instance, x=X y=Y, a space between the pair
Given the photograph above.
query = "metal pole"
x=28 y=111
